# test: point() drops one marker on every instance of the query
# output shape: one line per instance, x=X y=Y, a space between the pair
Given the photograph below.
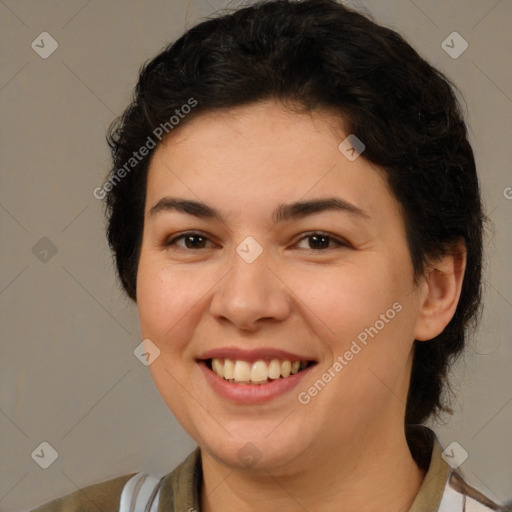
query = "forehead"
x=261 y=155
x=251 y=135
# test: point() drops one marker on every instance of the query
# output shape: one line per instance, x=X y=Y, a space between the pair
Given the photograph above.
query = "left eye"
x=319 y=241
x=191 y=240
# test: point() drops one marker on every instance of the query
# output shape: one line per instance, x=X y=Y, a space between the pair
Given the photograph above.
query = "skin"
x=346 y=449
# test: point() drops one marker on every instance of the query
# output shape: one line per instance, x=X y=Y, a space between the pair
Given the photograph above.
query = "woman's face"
x=264 y=282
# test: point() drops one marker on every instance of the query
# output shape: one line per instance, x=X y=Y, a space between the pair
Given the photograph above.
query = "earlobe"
x=442 y=289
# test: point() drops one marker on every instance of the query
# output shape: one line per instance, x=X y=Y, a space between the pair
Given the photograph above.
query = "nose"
x=250 y=295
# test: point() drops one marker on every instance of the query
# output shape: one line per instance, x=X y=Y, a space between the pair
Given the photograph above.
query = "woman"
x=294 y=208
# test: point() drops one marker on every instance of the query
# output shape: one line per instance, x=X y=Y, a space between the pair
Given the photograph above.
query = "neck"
x=381 y=477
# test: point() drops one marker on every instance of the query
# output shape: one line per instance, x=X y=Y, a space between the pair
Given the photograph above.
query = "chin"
x=257 y=450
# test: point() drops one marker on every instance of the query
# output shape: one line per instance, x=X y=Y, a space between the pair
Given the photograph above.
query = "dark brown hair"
x=320 y=54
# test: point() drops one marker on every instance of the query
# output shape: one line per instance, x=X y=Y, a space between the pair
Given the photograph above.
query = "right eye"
x=192 y=240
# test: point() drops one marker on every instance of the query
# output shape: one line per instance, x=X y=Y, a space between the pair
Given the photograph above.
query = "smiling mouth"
x=257 y=373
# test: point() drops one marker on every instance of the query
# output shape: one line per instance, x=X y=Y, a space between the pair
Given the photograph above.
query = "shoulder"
x=101 y=496
x=458 y=495
x=177 y=490
x=443 y=488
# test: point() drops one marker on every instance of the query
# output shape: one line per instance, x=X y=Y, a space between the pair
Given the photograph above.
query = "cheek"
x=348 y=299
x=165 y=298
x=165 y=302
x=370 y=313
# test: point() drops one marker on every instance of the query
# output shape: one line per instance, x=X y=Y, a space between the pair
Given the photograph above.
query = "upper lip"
x=236 y=353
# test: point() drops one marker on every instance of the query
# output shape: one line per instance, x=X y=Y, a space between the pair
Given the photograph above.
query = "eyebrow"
x=283 y=212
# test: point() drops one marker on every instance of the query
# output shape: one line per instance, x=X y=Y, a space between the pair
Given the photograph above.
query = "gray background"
x=69 y=376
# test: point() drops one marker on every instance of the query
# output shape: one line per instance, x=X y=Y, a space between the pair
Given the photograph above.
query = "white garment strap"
x=452 y=500
x=140 y=494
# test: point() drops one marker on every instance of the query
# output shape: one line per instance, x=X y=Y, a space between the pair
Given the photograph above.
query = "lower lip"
x=251 y=393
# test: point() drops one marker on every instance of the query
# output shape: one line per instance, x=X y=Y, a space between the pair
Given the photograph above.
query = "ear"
x=441 y=291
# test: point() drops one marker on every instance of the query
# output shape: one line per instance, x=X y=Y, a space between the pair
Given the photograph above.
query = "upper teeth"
x=257 y=372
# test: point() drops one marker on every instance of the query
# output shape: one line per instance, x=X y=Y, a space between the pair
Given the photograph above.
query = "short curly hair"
x=320 y=54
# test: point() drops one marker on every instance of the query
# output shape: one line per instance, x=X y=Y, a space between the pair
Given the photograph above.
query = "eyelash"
x=339 y=243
